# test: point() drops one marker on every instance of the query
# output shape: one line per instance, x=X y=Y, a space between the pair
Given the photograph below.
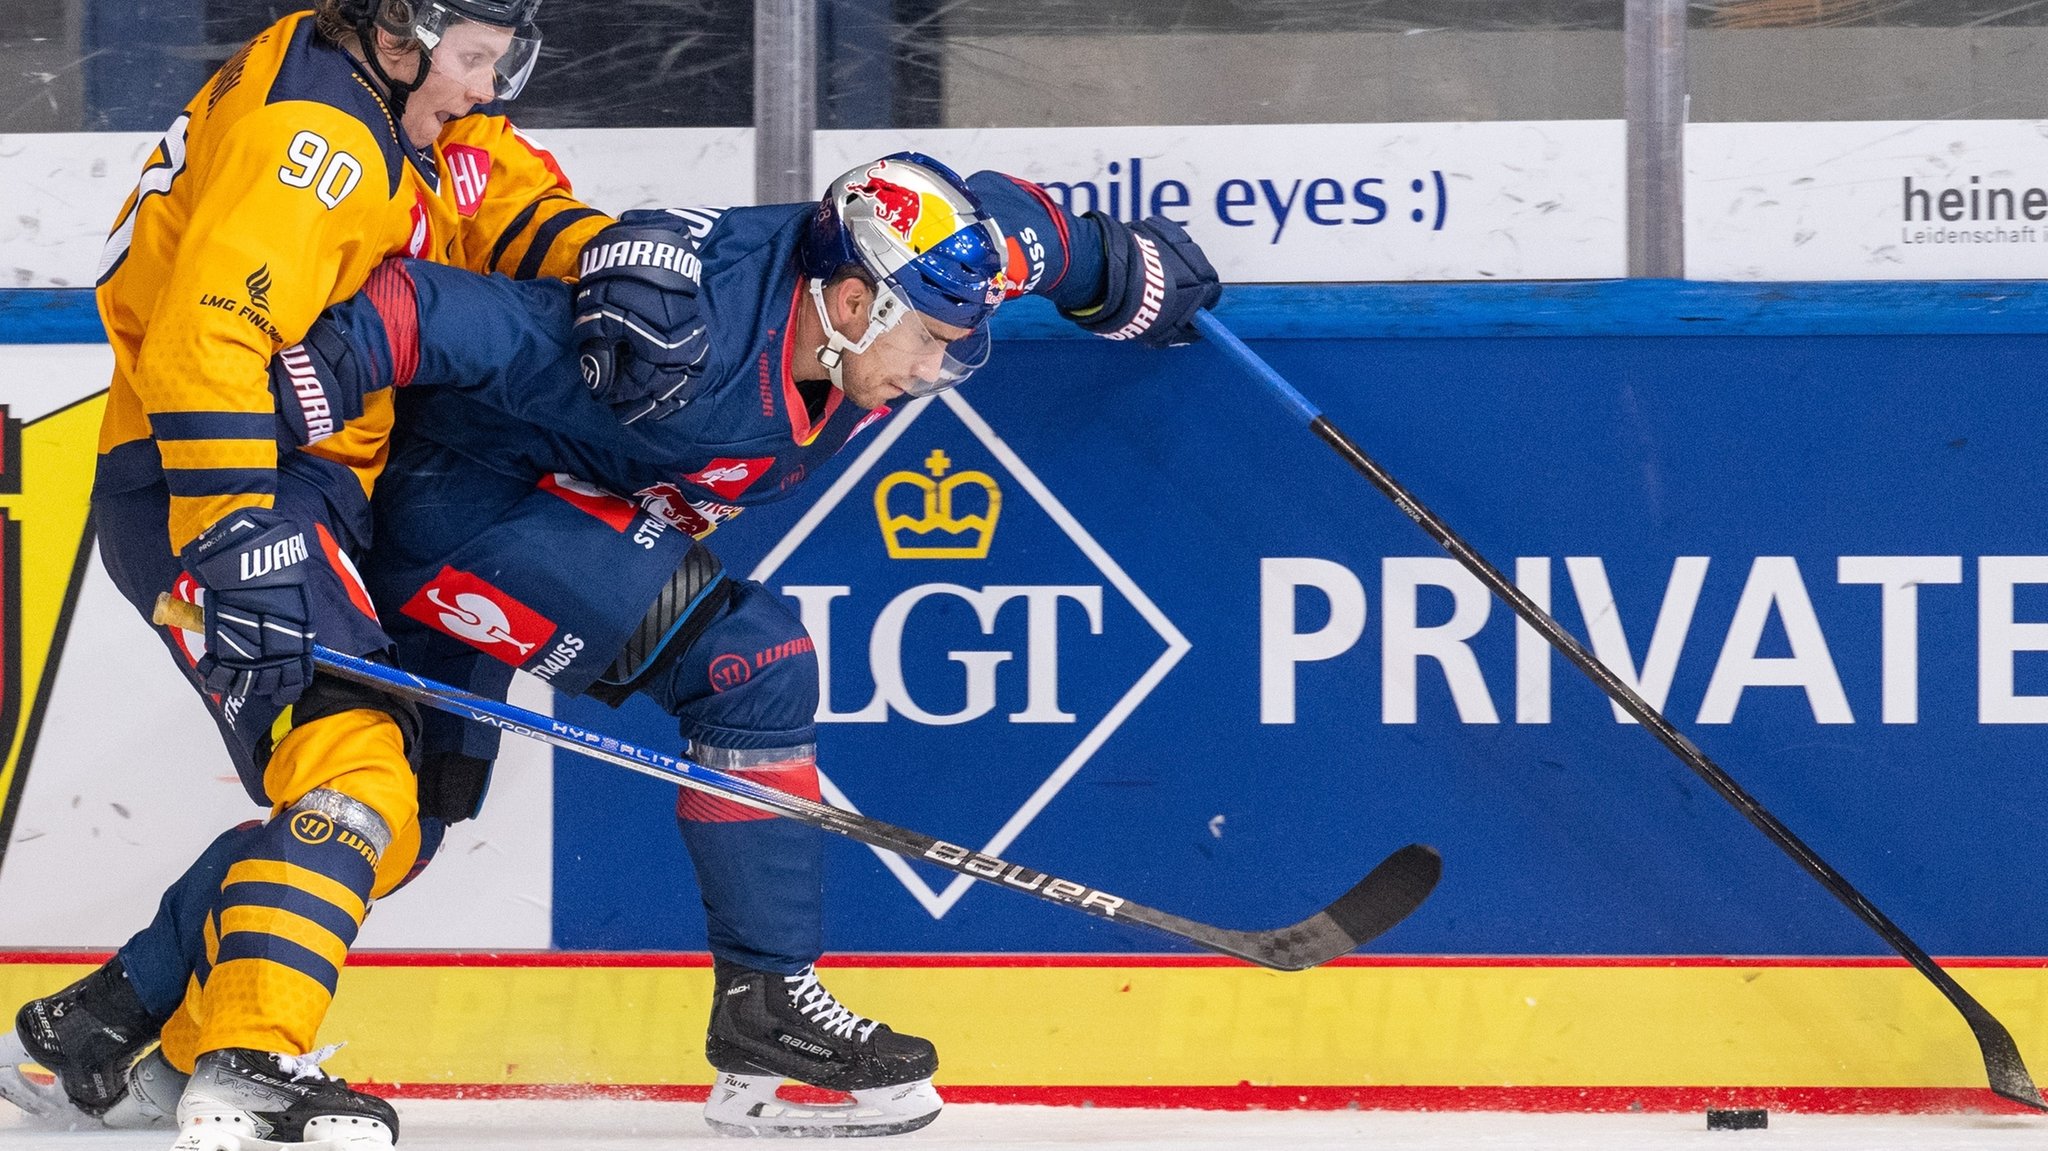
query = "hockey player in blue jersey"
x=815 y=320
x=535 y=517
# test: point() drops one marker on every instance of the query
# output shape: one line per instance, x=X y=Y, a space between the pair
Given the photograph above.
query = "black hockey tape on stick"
x=2003 y=1067
x=1383 y=898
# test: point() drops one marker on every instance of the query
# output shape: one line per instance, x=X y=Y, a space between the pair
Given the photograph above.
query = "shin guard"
x=762 y=878
x=289 y=910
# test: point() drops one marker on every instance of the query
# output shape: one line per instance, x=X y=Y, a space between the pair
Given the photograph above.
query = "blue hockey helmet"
x=912 y=227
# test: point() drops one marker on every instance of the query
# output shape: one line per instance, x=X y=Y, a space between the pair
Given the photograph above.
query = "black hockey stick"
x=2002 y=1064
x=1383 y=898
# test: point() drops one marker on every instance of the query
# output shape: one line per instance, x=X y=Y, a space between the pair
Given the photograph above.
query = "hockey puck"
x=1738 y=1119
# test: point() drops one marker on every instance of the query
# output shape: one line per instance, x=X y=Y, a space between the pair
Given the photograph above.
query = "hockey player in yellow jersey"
x=332 y=140
x=291 y=175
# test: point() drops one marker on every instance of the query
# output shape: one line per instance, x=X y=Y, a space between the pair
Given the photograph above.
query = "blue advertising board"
x=1116 y=614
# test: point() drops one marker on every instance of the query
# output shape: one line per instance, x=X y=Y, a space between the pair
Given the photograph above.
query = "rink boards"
x=1437 y=1034
x=1204 y=666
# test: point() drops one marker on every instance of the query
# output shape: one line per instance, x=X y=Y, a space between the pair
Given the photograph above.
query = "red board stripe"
x=1246 y=1097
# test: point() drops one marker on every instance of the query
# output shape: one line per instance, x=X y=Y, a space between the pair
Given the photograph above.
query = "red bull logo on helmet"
x=922 y=218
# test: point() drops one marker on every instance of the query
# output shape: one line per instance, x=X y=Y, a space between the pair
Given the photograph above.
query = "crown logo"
x=937 y=533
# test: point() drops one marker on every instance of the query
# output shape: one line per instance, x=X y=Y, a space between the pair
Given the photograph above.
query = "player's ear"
x=848 y=301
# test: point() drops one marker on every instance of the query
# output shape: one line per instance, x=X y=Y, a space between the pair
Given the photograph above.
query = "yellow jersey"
x=277 y=190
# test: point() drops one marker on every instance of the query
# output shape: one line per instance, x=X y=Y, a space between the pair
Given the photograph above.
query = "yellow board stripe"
x=1846 y=1028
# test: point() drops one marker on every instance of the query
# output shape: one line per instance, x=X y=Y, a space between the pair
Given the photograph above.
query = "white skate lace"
x=818 y=1005
x=307 y=1066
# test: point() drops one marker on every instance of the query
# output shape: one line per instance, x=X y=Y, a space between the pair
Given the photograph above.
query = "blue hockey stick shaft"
x=1383 y=898
x=2004 y=1068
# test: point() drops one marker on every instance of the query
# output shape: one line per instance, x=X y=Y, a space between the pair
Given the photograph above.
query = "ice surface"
x=432 y=1125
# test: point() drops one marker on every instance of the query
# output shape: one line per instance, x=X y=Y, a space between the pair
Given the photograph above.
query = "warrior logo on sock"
x=311 y=827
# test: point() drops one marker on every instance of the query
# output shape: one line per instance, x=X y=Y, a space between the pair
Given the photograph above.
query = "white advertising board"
x=127 y=780
x=1327 y=202
x=60 y=192
x=1317 y=203
x=1867 y=200
x=1273 y=203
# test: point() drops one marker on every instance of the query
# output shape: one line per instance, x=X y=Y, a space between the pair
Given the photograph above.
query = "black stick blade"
x=2012 y=1082
x=2003 y=1066
x=1386 y=896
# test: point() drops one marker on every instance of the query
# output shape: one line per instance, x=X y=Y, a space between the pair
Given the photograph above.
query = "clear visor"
x=482 y=57
x=938 y=362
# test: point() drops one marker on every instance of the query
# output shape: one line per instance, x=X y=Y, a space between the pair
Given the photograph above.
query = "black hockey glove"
x=254 y=565
x=640 y=327
x=1158 y=279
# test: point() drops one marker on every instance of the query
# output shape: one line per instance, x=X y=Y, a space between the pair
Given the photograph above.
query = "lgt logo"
x=960 y=665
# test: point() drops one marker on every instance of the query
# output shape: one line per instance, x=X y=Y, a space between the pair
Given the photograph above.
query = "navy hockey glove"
x=640 y=327
x=364 y=344
x=1158 y=278
x=320 y=383
x=259 y=634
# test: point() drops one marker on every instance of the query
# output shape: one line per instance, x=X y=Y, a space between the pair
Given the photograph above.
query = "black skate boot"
x=84 y=1038
x=766 y=1028
x=243 y=1100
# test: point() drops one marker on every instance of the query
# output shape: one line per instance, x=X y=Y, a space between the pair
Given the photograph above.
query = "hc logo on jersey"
x=469 y=175
x=976 y=645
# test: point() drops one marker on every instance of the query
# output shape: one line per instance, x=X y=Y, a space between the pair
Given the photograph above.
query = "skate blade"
x=748 y=1105
x=209 y=1137
x=200 y=1135
x=35 y=1089
x=224 y=1141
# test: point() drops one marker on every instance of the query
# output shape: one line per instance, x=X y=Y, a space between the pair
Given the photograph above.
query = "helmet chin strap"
x=395 y=91
x=832 y=353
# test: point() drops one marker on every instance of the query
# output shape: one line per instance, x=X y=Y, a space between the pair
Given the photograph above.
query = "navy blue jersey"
x=498 y=382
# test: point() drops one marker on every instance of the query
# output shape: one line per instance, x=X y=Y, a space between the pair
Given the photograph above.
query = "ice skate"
x=766 y=1028
x=152 y=1096
x=67 y=1059
x=242 y=1100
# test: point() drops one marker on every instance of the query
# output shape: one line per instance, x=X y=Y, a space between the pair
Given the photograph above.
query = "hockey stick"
x=1383 y=898
x=2002 y=1064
